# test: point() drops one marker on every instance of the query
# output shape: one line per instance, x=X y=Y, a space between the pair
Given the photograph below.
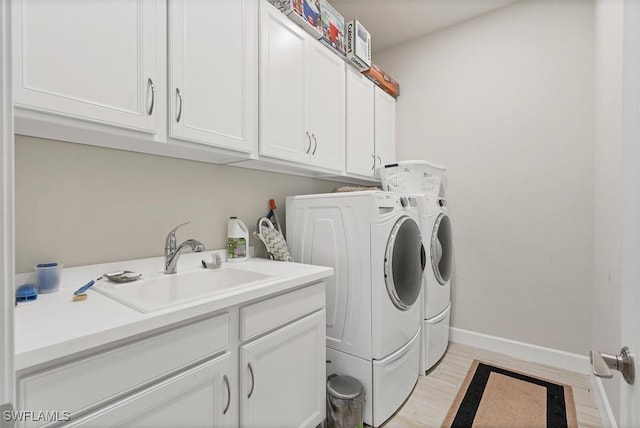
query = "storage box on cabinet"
x=89 y=382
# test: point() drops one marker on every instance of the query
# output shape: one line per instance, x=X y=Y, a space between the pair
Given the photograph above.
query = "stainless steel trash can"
x=345 y=402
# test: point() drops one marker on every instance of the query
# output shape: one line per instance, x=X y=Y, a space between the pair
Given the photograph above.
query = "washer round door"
x=442 y=249
x=404 y=262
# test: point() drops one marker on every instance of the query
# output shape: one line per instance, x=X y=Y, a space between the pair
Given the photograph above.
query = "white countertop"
x=54 y=326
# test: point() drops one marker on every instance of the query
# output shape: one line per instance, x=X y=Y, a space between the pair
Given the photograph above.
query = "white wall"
x=506 y=102
x=607 y=209
x=81 y=205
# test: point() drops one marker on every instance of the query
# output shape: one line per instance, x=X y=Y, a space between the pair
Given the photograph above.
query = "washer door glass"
x=403 y=263
x=442 y=249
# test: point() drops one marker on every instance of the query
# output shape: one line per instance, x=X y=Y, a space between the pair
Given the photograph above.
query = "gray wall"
x=82 y=205
x=506 y=102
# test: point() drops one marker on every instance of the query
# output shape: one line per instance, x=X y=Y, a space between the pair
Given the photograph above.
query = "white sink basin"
x=159 y=291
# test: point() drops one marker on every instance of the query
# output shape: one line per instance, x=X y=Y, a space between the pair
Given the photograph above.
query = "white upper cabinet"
x=360 y=125
x=93 y=60
x=385 y=127
x=283 y=87
x=220 y=81
x=371 y=126
x=213 y=72
x=326 y=107
x=301 y=95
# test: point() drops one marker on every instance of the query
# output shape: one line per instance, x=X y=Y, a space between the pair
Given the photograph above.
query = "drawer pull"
x=225 y=379
x=315 y=147
x=253 y=380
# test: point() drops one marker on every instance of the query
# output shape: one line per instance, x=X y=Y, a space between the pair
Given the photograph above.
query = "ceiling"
x=391 y=22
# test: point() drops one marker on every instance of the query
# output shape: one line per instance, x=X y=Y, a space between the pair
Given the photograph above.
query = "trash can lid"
x=344 y=387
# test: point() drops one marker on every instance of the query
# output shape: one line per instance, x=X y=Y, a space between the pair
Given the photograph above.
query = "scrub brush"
x=216 y=262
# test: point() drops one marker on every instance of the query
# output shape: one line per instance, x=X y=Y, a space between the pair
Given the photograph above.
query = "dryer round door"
x=404 y=262
x=442 y=249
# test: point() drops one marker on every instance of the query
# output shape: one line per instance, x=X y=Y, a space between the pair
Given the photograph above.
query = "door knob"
x=602 y=364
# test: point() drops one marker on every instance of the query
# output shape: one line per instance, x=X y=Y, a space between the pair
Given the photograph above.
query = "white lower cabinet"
x=283 y=376
x=201 y=397
x=261 y=363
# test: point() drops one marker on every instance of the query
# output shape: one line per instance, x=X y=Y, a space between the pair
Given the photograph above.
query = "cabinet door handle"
x=179 y=95
x=316 y=145
x=374 y=162
x=225 y=379
x=253 y=380
x=309 y=136
x=153 y=95
x=380 y=160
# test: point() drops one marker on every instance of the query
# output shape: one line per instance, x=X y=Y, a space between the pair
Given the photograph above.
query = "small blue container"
x=48 y=277
x=26 y=293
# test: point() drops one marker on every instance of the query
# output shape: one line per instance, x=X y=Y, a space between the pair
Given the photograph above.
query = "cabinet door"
x=93 y=60
x=326 y=107
x=213 y=91
x=283 y=83
x=360 y=124
x=282 y=376
x=385 y=129
x=201 y=397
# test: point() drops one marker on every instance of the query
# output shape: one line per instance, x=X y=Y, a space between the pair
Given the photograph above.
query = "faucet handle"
x=173 y=231
x=171 y=236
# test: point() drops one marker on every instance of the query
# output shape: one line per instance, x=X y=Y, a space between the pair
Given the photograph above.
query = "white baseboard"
x=524 y=351
x=606 y=414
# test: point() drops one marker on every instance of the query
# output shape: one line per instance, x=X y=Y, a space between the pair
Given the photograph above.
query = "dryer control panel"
x=388 y=202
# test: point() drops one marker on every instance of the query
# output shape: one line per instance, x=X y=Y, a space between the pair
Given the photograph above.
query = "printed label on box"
x=358 y=49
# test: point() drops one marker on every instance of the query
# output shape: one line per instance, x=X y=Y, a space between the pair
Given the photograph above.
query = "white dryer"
x=437 y=239
x=374 y=300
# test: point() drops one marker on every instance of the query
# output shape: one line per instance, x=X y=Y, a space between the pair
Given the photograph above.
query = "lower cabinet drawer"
x=91 y=381
x=263 y=316
x=200 y=397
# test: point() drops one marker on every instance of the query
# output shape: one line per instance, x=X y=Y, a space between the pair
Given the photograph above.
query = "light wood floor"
x=434 y=393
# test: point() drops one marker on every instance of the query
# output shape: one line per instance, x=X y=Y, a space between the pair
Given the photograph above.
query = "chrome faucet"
x=172 y=251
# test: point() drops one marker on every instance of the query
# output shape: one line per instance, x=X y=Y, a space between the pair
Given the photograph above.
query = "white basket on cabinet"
x=414 y=176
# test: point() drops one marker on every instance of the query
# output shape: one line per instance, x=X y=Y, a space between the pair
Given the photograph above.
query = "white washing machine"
x=437 y=239
x=374 y=300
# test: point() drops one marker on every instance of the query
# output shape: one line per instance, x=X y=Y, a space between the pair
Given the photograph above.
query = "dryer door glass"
x=442 y=249
x=403 y=265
